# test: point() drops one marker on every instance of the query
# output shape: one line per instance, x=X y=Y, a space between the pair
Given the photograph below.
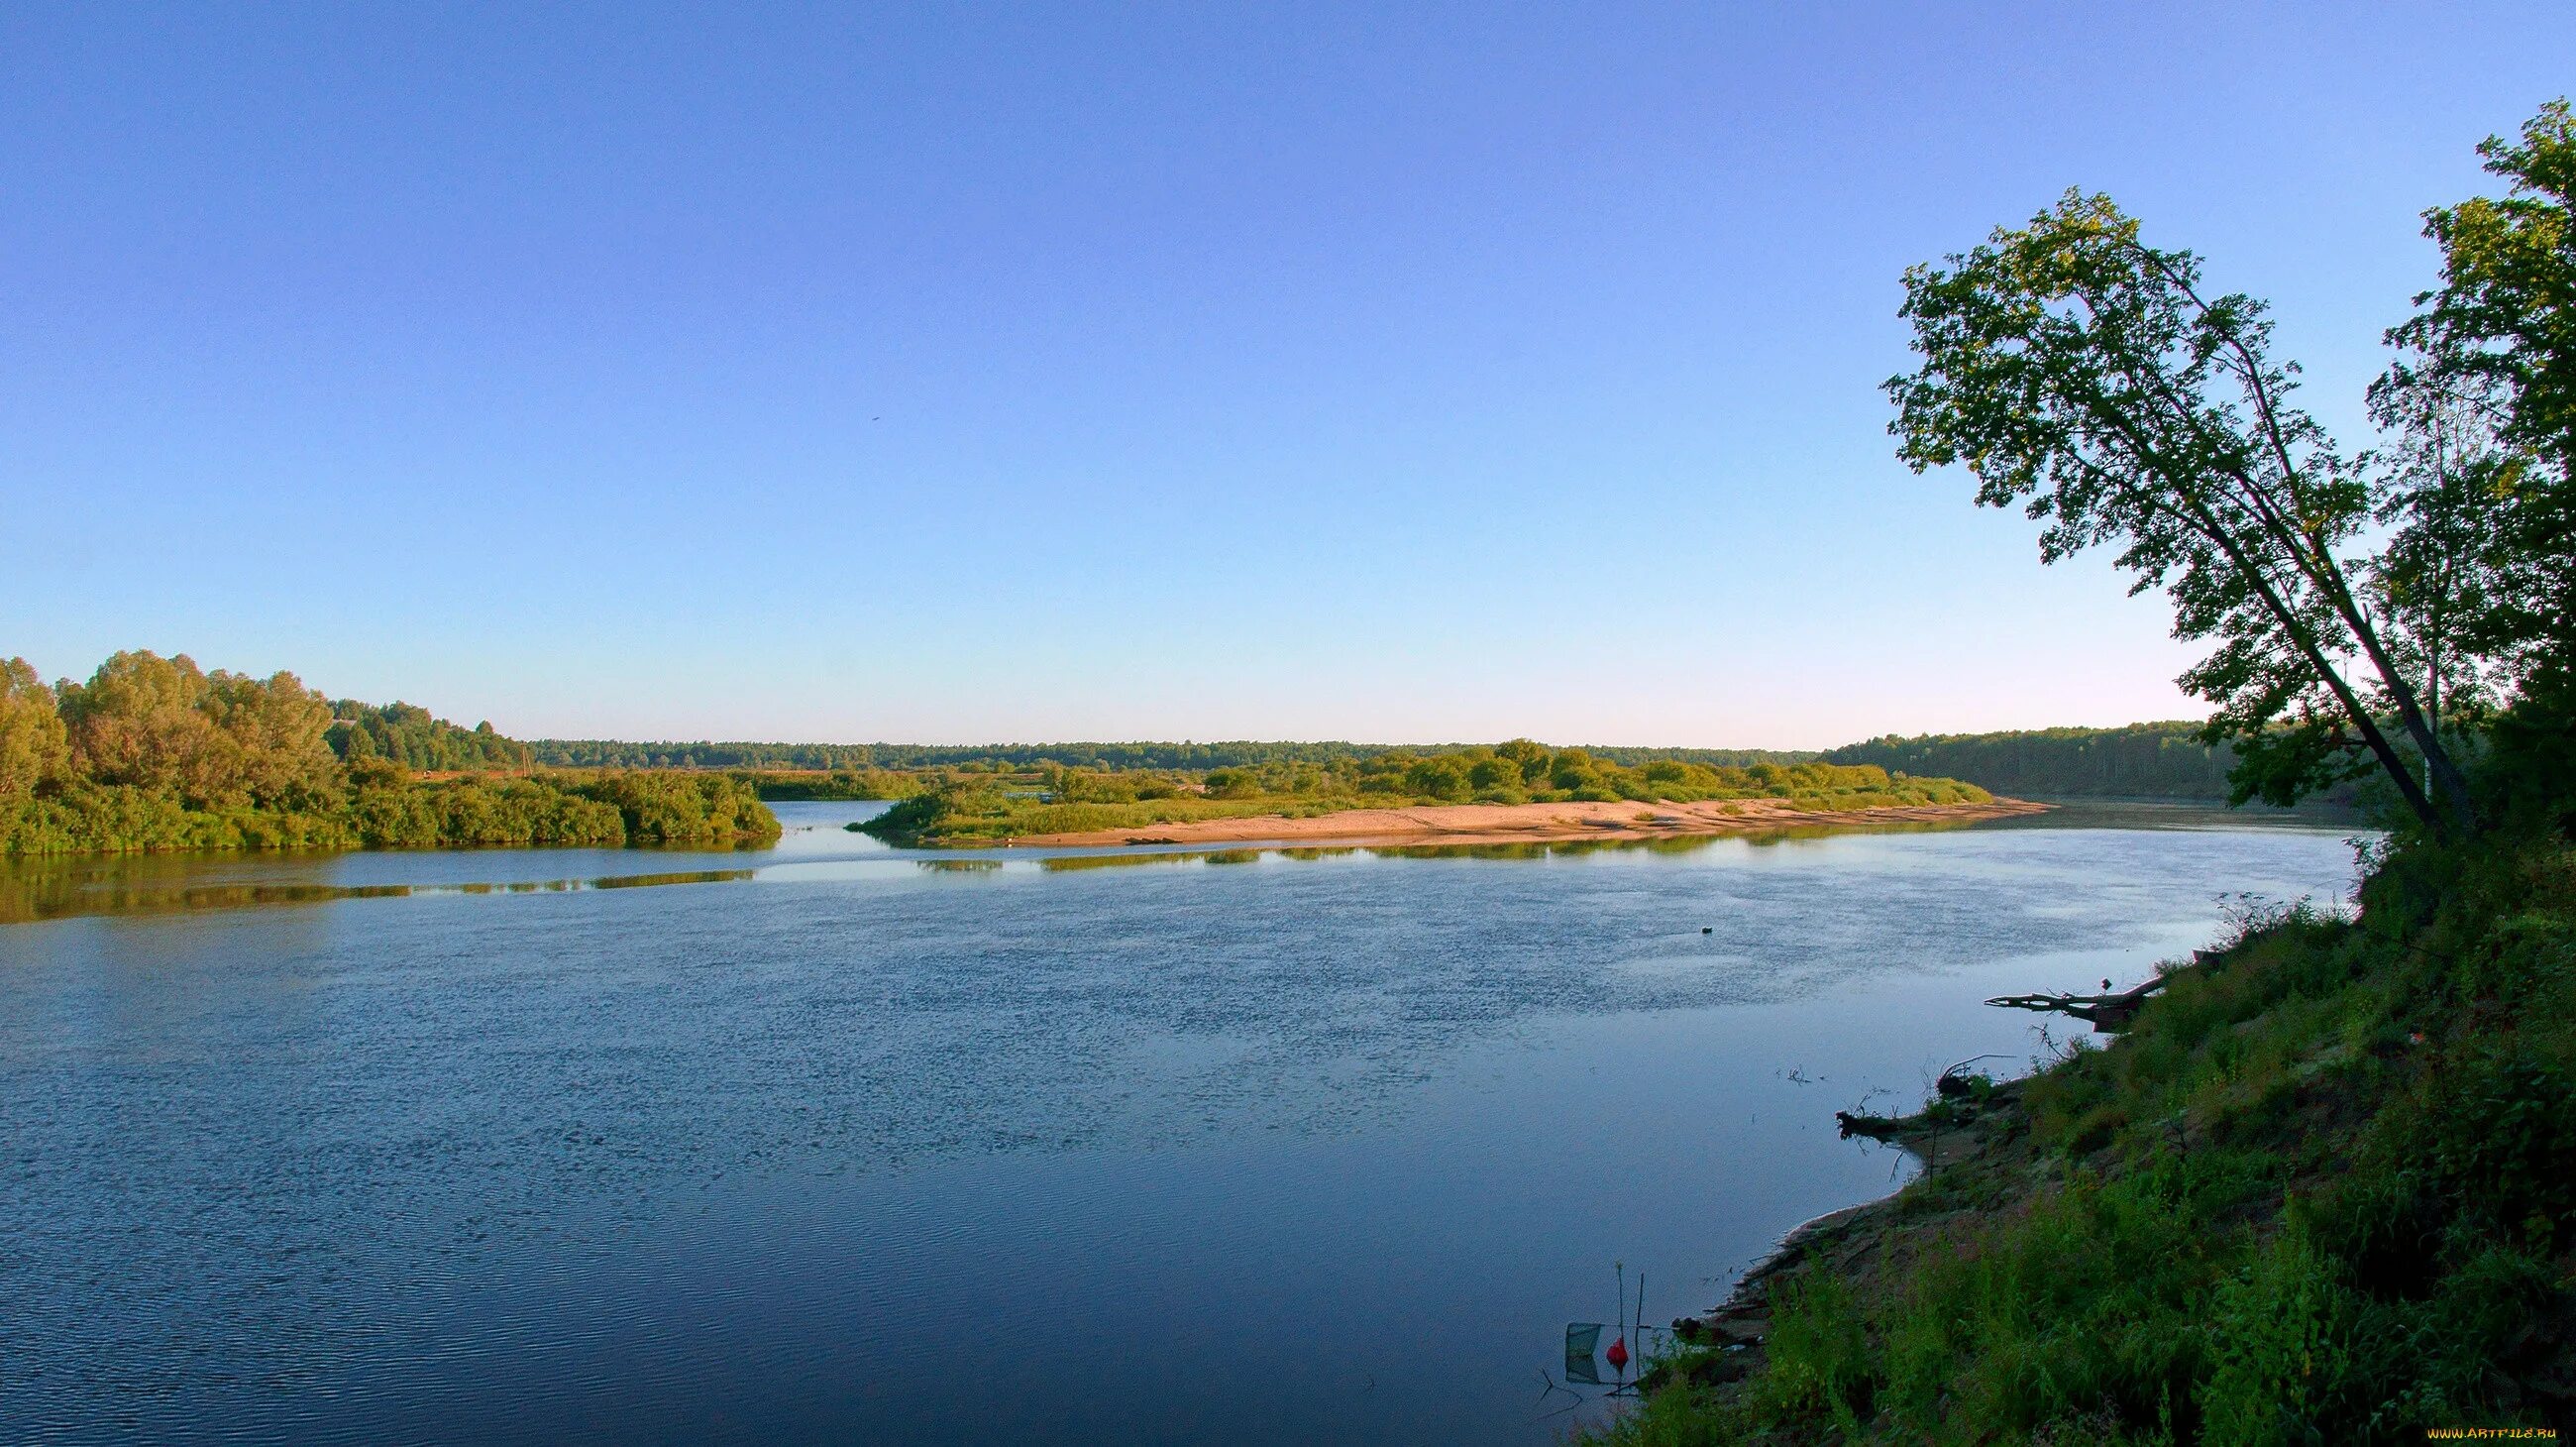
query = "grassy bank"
x=2320 y=1192
x=979 y=809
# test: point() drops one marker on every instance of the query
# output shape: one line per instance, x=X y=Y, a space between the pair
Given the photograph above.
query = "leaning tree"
x=2084 y=375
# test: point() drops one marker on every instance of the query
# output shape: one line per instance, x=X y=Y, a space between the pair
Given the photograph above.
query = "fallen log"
x=2103 y=1012
x=1876 y=1127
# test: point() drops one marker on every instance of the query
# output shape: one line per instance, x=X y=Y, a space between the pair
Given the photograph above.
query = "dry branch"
x=2104 y=1012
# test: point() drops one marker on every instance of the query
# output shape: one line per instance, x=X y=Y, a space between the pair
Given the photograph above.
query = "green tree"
x=2082 y=374
x=1667 y=772
x=409 y=734
x=1233 y=784
x=1440 y=777
x=34 y=746
x=1533 y=758
x=2500 y=331
x=277 y=727
x=142 y=720
x=1572 y=769
x=2445 y=496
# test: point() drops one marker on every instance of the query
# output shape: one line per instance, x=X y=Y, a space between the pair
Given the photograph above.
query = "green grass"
x=2321 y=1192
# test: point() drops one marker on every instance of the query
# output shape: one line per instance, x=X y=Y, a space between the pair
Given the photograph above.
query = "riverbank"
x=1526 y=823
x=1976 y=1141
x=372 y=804
x=2321 y=1188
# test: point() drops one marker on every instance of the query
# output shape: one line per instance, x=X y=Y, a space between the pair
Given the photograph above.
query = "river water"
x=836 y=1142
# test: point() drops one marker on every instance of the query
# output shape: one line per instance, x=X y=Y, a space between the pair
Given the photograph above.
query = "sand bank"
x=1526 y=823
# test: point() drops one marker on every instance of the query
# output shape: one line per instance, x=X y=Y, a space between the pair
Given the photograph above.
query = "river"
x=837 y=1142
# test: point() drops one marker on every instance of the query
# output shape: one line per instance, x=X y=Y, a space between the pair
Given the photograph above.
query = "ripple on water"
x=1147 y=1146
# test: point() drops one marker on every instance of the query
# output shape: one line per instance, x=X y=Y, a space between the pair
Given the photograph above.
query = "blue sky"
x=965 y=373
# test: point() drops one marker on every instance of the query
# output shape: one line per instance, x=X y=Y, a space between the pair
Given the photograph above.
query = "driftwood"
x=2104 y=1012
x=1875 y=1127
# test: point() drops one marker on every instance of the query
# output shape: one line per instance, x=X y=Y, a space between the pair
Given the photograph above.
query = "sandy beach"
x=1526 y=823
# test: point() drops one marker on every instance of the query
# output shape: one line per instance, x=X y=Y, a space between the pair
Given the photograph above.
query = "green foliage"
x=661 y=808
x=2081 y=375
x=2323 y=1190
x=1233 y=784
x=154 y=754
x=1532 y=757
x=842 y=784
x=409 y=735
x=34 y=745
x=143 y=721
x=1105 y=758
x=1825 y=1370
x=962 y=806
x=2498 y=339
x=2279 y=1347
x=83 y=817
x=392 y=811
x=276 y=728
x=1442 y=779
x=2505 y=308
x=2139 y=761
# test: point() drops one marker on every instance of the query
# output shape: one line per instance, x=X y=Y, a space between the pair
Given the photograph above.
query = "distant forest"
x=1105 y=757
x=406 y=734
x=153 y=753
x=2142 y=761
x=2162 y=760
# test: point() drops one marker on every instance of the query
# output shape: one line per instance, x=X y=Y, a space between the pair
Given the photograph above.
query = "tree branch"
x=2103 y=1012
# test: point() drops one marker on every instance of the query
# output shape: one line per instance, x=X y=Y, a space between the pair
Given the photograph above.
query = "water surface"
x=836 y=1141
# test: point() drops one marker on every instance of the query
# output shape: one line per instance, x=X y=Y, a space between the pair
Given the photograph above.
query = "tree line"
x=409 y=735
x=1521 y=771
x=2161 y=760
x=2166 y=760
x=154 y=753
x=1103 y=757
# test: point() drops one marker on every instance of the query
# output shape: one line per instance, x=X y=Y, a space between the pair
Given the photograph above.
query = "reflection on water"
x=1534 y=849
x=54 y=888
x=64 y=888
x=39 y=893
x=1123 y=859
x=2310 y=818
x=1325 y=1144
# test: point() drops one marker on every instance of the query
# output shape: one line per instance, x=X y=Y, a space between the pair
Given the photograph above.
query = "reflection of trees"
x=43 y=889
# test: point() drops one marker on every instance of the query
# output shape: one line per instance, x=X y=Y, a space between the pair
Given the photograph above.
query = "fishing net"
x=1582 y=1339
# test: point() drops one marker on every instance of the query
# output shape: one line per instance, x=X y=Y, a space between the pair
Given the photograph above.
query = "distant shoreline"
x=1523 y=823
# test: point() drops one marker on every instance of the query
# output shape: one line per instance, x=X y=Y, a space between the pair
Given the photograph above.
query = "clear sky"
x=1020 y=371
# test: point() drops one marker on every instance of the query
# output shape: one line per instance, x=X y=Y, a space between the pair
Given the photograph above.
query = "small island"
x=1536 y=823
x=1515 y=792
